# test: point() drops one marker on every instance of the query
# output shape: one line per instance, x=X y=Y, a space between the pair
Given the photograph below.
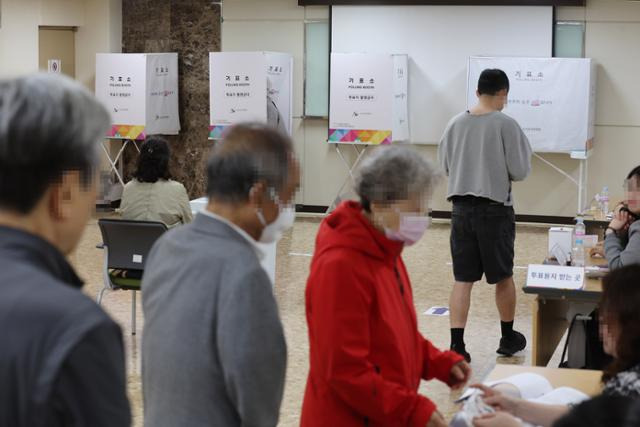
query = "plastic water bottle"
x=604 y=200
x=577 y=251
x=595 y=206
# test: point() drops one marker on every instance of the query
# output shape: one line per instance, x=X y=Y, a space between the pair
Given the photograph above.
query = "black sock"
x=457 y=338
x=507 y=328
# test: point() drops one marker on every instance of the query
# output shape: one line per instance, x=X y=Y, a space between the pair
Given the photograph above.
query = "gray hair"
x=247 y=154
x=393 y=173
x=49 y=124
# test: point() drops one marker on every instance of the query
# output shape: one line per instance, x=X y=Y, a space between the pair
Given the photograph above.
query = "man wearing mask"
x=213 y=347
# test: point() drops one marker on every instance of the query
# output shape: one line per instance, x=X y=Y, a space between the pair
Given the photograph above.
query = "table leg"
x=549 y=325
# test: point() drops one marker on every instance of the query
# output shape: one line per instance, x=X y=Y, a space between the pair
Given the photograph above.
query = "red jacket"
x=367 y=356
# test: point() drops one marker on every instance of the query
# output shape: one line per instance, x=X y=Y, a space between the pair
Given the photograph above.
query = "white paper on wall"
x=553 y=99
x=54 y=66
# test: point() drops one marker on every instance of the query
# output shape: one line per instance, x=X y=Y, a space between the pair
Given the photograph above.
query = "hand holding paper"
x=460 y=374
x=498 y=400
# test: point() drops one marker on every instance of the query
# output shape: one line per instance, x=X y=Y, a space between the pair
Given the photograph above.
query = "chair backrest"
x=129 y=242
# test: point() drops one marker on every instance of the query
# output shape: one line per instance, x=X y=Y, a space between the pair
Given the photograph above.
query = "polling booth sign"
x=361 y=100
x=141 y=93
x=553 y=99
x=250 y=87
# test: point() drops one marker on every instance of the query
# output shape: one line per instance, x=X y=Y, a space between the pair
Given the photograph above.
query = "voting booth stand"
x=141 y=93
x=553 y=100
x=367 y=104
x=250 y=87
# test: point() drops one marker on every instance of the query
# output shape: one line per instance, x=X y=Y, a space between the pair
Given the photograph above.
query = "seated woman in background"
x=622 y=241
x=620 y=331
x=152 y=195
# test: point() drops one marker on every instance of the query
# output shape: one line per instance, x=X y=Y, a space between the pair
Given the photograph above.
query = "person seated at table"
x=622 y=238
x=367 y=355
x=152 y=195
x=620 y=331
x=618 y=411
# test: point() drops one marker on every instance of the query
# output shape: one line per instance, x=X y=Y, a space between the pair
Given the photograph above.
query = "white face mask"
x=412 y=228
x=273 y=232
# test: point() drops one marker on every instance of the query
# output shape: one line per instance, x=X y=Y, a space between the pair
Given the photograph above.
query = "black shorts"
x=483 y=233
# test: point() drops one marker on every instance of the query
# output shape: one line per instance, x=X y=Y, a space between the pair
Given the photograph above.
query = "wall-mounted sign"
x=54 y=66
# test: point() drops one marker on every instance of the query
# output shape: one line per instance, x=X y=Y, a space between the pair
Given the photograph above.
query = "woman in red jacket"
x=367 y=356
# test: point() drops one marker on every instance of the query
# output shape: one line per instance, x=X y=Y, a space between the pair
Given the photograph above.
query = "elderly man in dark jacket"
x=61 y=356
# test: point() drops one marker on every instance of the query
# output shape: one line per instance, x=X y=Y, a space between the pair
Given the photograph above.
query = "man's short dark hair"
x=492 y=81
x=153 y=161
x=49 y=125
x=247 y=154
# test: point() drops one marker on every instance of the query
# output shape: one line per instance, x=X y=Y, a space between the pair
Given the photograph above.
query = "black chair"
x=126 y=246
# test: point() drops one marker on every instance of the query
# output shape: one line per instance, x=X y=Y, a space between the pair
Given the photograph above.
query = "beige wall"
x=58 y=43
x=102 y=33
x=99 y=24
x=99 y=29
x=19 y=36
x=613 y=31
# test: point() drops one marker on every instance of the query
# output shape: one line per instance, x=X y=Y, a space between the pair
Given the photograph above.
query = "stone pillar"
x=192 y=29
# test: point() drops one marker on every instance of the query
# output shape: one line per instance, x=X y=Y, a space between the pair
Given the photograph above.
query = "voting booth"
x=368 y=98
x=140 y=91
x=368 y=104
x=553 y=99
x=250 y=87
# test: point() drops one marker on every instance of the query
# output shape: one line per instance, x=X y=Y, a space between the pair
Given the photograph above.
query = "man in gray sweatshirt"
x=483 y=151
x=213 y=347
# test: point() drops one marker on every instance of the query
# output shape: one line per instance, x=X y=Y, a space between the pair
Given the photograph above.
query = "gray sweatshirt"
x=482 y=154
x=625 y=250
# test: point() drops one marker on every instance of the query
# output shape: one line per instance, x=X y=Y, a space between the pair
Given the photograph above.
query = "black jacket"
x=61 y=356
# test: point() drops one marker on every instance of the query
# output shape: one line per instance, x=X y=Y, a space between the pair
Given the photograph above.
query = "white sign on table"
x=553 y=99
x=555 y=276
